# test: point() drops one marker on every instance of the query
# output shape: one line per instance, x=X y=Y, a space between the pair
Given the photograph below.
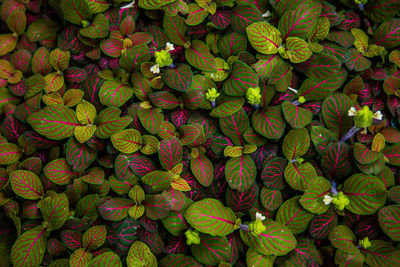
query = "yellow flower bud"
x=163 y=58
x=365 y=243
x=192 y=237
x=212 y=94
x=301 y=99
x=364 y=118
x=253 y=96
x=257 y=227
x=340 y=201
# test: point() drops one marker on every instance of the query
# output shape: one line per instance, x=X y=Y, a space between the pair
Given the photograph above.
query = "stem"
x=172 y=66
x=334 y=188
x=256 y=106
x=361 y=7
x=296 y=103
x=213 y=104
x=349 y=134
x=244 y=227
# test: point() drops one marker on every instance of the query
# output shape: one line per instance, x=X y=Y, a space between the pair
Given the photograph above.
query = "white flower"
x=155 y=69
x=378 y=115
x=128 y=5
x=169 y=47
x=267 y=14
x=352 y=112
x=327 y=199
x=259 y=216
x=292 y=89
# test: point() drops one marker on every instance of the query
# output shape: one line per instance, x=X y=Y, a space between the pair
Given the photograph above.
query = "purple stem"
x=334 y=187
x=349 y=134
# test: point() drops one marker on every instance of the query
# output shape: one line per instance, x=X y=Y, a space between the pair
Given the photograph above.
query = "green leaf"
x=275 y=240
x=106 y=259
x=342 y=238
x=29 y=248
x=198 y=55
x=300 y=176
x=140 y=255
x=59 y=172
x=363 y=154
x=388 y=34
x=94 y=237
x=392 y=153
x=59 y=59
x=334 y=111
x=114 y=93
x=381 y=253
x=296 y=116
x=79 y=156
x=212 y=250
x=175 y=28
x=26 y=184
x=234 y=126
x=109 y=122
x=240 y=172
x=202 y=169
x=179 y=78
x=266 y=66
x=158 y=180
x=196 y=15
x=243 y=16
x=296 y=143
x=127 y=141
x=336 y=160
x=55 y=122
x=264 y=37
x=270 y=199
x=269 y=122
x=80 y=257
x=300 y=21
x=296 y=50
x=292 y=215
x=134 y=57
x=366 y=194
x=97 y=29
x=389 y=217
x=228 y=107
x=211 y=217
x=9 y=153
x=151 y=119
x=75 y=11
x=321 y=88
x=115 y=209
x=242 y=77
x=55 y=210
x=313 y=197
x=256 y=259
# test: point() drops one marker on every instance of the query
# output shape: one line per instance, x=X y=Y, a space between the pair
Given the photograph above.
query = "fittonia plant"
x=199 y=133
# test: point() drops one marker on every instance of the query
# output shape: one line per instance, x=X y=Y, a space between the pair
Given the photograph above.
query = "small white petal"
x=267 y=14
x=128 y=5
x=259 y=216
x=155 y=69
x=352 y=112
x=327 y=199
x=378 y=115
x=292 y=89
x=169 y=47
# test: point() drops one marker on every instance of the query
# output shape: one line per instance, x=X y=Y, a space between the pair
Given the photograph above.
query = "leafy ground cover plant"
x=200 y=133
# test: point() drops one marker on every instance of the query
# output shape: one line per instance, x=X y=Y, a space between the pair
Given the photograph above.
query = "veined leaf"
x=211 y=217
x=26 y=184
x=264 y=37
x=366 y=194
x=55 y=122
x=275 y=240
x=29 y=248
